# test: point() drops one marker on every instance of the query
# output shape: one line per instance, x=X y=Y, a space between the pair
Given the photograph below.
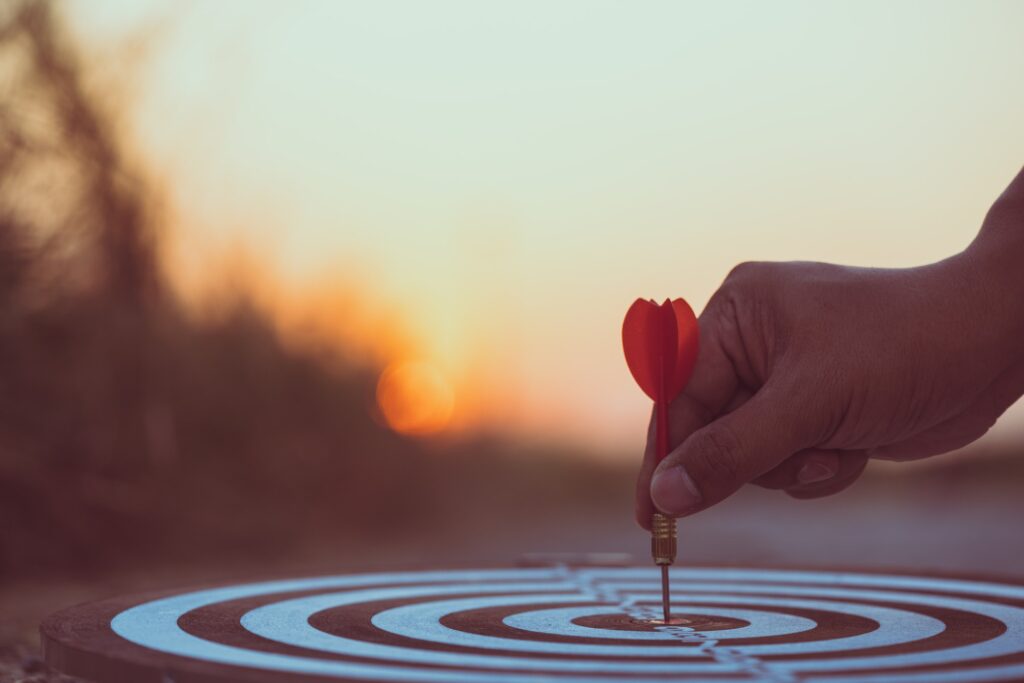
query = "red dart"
x=661 y=344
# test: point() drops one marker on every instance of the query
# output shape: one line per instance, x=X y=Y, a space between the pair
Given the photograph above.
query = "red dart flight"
x=661 y=344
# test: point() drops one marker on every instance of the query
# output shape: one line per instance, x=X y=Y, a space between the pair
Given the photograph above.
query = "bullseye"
x=565 y=624
x=562 y=621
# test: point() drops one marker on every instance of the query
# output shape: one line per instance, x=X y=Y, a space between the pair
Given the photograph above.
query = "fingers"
x=709 y=391
x=814 y=473
x=732 y=450
x=851 y=466
x=807 y=467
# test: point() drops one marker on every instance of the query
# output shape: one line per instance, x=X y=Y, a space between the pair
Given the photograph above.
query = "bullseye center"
x=697 y=622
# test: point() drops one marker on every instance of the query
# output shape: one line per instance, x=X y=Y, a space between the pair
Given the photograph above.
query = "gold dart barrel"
x=663 y=539
x=663 y=550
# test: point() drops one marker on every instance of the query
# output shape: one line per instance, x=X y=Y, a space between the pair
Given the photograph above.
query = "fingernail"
x=814 y=471
x=673 y=492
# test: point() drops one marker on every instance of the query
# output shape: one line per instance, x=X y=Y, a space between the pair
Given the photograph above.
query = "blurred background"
x=316 y=286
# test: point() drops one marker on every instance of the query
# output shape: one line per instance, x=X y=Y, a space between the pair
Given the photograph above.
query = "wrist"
x=991 y=272
x=998 y=250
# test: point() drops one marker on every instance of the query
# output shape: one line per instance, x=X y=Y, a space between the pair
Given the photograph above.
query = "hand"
x=807 y=370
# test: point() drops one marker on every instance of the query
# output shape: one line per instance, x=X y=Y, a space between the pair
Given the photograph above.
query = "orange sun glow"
x=415 y=398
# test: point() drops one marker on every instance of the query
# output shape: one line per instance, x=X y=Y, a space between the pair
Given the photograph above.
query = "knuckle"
x=745 y=270
x=743 y=315
x=748 y=288
x=752 y=275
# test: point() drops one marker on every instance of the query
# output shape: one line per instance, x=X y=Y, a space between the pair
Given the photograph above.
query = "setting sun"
x=415 y=398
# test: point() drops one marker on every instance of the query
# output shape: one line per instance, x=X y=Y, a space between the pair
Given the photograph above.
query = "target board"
x=559 y=624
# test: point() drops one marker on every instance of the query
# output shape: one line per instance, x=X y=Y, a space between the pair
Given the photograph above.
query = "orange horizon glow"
x=328 y=313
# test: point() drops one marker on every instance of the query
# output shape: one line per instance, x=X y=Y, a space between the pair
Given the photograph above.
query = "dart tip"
x=665 y=610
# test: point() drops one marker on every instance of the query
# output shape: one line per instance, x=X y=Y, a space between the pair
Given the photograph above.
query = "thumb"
x=736 y=448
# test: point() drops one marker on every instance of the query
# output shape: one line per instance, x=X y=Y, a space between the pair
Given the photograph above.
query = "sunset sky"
x=483 y=188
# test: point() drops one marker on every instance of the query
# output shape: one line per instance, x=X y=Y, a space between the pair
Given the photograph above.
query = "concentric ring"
x=570 y=624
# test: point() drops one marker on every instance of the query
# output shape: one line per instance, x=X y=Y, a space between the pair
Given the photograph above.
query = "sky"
x=495 y=183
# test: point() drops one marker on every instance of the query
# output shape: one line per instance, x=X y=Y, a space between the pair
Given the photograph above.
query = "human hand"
x=807 y=370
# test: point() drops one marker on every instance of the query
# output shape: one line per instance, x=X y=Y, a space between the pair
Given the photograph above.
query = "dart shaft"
x=665 y=609
x=660 y=430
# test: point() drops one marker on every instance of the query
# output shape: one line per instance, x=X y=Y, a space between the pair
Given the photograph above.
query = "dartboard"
x=560 y=624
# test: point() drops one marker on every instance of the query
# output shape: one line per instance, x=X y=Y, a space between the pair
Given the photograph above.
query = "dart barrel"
x=663 y=539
